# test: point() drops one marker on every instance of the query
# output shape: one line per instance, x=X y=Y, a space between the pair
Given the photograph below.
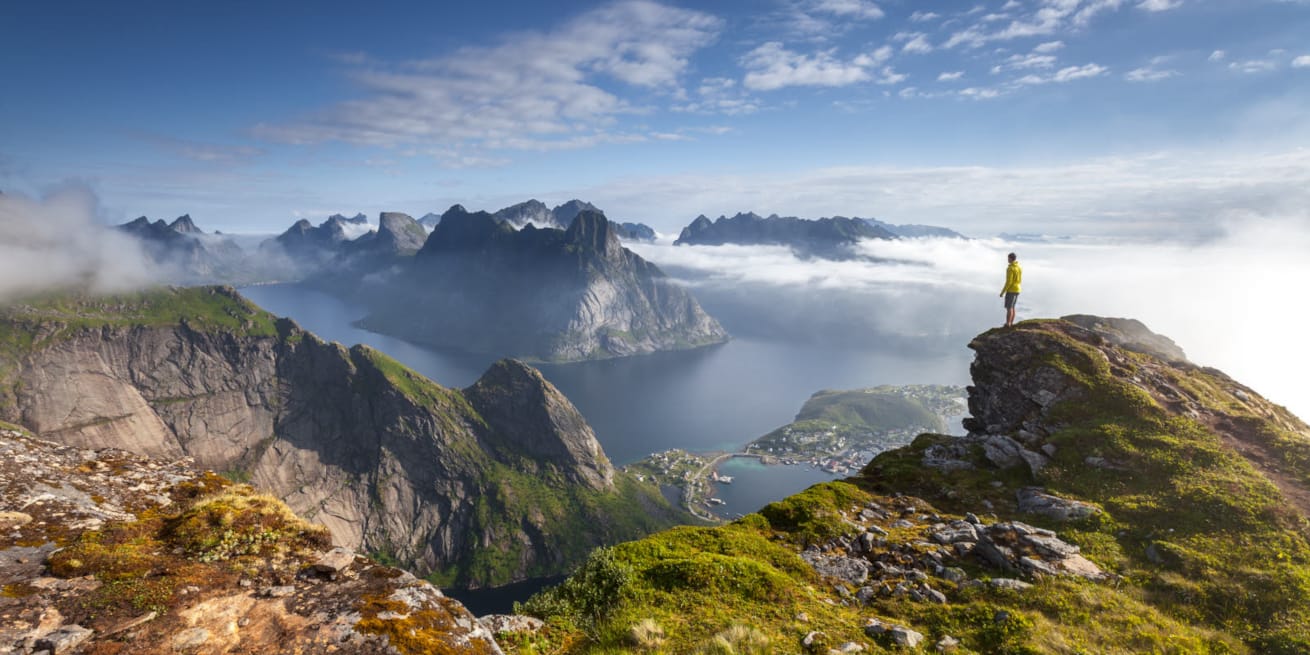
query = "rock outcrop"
x=389 y=461
x=542 y=294
x=1110 y=497
x=102 y=552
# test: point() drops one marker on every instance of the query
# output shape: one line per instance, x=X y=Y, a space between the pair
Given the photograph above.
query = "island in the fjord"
x=496 y=483
x=1110 y=497
x=547 y=294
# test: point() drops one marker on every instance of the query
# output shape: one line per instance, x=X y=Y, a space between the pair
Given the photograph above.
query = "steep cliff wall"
x=513 y=485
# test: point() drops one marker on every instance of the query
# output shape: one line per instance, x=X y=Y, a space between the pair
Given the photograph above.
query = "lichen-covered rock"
x=135 y=584
x=1035 y=500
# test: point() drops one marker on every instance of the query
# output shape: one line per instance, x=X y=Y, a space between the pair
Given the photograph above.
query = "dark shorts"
x=1011 y=299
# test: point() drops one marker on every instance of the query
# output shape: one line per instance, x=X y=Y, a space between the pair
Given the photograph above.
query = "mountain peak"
x=592 y=231
x=184 y=225
x=518 y=403
x=565 y=213
x=400 y=233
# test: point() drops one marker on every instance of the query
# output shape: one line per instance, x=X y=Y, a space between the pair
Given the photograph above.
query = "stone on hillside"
x=848 y=569
x=848 y=647
x=190 y=640
x=64 y=640
x=1010 y=583
x=906 y=637
x=511 y=623
x=334 y=562
x=947 y=644
x=957 y=531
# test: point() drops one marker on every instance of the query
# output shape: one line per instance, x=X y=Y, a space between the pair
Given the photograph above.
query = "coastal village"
x=838 y=432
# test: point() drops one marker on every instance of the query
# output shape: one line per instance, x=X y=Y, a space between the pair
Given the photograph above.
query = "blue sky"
x=1128 y=117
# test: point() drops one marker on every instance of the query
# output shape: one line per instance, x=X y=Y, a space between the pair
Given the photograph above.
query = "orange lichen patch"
x=427 y=630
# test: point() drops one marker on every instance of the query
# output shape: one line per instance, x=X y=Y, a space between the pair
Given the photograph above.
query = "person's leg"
x=1009 y=317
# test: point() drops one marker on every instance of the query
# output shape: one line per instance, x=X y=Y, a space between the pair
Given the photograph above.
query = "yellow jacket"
x=1013 y=277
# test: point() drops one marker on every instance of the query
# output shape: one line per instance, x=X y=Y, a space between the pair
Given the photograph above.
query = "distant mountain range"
x=526 y=281
x=186 y=254
x=823 y=237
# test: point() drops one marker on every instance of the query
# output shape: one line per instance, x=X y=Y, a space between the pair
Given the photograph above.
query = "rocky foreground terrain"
x=103 y=552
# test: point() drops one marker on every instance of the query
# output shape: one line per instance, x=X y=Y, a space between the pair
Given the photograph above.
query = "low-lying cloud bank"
x=56 y=243
x=1180 y=194
x=1235 y=302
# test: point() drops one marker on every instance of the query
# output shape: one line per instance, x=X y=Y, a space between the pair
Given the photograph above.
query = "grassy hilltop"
x=1108 y=500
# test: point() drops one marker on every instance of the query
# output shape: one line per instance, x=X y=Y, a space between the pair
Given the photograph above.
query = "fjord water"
x=715 y=398
x=710 y=399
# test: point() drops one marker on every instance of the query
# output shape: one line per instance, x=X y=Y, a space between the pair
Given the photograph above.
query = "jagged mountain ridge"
x=182 y=251
x=538 y=293
x=1111 y=497
x=446 y=481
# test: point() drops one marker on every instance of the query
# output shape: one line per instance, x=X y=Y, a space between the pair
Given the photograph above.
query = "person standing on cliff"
x=1013 y=278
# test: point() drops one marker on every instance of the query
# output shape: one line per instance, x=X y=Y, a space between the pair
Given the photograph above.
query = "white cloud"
x=1301 y=62
x=915 y=42
x=924 y=16
x=533 y=88
x=980 y=93
x=1217 y=55
x=1251 y=66
x=55 y=243
x=1022 y=62
x=1149 y=74
x=1046 y=18
x=1048 y=47
x=1067 y=74
x=849 y=8
x=719 y=95
x=1159 y=5
x=950 y=76
x=772 y=66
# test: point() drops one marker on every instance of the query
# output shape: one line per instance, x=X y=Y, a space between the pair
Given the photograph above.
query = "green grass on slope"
x=742 y=588
x=1226 y=551
x=201 y=308
x=872 y=408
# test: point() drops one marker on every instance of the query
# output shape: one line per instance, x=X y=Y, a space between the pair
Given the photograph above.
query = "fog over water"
x=1234 y=302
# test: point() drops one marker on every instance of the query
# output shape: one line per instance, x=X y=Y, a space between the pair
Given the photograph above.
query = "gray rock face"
x=533 y=417
x=389 y=462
